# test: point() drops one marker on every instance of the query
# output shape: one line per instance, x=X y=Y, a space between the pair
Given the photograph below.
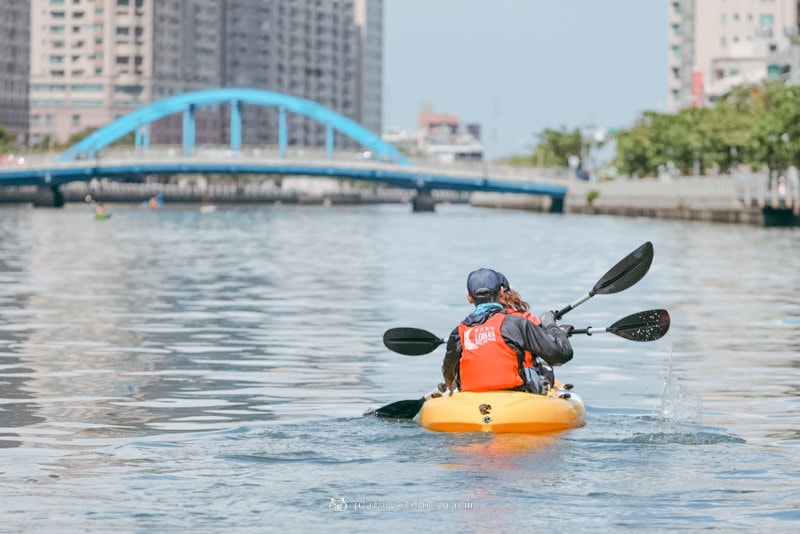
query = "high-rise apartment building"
x=95 y=60
x=714 y=45
x=304 y=48
x=14 y=66
x=369 y=19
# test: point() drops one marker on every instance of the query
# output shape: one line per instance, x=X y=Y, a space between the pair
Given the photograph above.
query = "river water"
x=170 y=370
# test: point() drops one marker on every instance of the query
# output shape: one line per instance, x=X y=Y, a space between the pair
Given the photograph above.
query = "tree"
x=8 y=142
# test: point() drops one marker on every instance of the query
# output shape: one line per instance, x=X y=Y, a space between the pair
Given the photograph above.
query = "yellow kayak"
x=504 y=411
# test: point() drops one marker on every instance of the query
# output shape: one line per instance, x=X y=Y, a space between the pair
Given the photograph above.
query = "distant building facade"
x=441 y=136
x=714 y=45
x=369 y=19
x=93 y=61
x=14 y=67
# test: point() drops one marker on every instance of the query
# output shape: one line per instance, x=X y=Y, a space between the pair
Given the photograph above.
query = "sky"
x=518 y=67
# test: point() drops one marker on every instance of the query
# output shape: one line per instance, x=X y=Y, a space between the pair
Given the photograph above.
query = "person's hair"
x=510 y=299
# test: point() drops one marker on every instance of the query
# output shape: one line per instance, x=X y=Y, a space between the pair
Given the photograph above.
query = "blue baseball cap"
x=483 y=282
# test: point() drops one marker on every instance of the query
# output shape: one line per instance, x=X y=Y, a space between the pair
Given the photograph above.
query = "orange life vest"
x=487 y=362
x=535 y=320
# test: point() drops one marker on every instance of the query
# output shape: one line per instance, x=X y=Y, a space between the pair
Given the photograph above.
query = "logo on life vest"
x=480 y=335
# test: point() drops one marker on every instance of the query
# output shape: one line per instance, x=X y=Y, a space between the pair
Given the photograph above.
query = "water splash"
x=677 y=404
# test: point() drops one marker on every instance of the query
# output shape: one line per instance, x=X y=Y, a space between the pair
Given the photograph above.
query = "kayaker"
x=486 y=351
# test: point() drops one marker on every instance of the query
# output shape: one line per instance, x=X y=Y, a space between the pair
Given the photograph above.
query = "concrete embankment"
x=744 y=199
x=292 y=191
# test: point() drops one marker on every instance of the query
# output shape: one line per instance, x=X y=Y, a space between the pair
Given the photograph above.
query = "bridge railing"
x=311 y=156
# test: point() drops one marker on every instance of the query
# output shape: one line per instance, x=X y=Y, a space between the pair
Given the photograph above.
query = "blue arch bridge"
x=86 y=159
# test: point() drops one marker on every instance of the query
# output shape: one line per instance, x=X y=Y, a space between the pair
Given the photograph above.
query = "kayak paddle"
x=411 y=341
x=647 y=325
x=623 y=275
x=628 y=271
x=404 y=409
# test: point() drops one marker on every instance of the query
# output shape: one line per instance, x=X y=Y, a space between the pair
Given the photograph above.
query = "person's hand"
x=547 y=319
x=567 y=328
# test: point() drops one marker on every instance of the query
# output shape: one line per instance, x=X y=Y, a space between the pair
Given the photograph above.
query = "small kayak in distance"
x=101 y=216
x=504 y=411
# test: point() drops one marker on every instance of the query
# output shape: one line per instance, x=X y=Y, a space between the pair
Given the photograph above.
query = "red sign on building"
x=697 y=89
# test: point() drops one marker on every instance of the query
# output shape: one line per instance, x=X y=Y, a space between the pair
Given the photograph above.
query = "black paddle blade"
x=404 y=409
x=643 y=326
x=411 y=341
x=627 y=272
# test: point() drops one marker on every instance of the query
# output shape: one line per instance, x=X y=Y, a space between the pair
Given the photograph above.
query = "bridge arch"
x=186 y=103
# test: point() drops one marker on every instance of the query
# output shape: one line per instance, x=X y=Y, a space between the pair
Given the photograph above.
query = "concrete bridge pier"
x=423 y=201
x=48 y=196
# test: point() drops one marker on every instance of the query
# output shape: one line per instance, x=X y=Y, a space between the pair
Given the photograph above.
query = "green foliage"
x=556 y=146
x=7 y=140
x=128 y=139
x=591 y=195
x=80 y=136
x=753 y=125
x=553 y=150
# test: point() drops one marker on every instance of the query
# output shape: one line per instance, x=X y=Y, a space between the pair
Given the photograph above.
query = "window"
x=76 y=120
x=676 y=51
x=766 y=19
x=676 y=29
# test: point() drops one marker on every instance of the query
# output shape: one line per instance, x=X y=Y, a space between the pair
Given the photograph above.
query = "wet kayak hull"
x=503 y=412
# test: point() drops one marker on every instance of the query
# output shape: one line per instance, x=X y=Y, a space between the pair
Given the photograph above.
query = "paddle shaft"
x=559 y=314
x=589 y=331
